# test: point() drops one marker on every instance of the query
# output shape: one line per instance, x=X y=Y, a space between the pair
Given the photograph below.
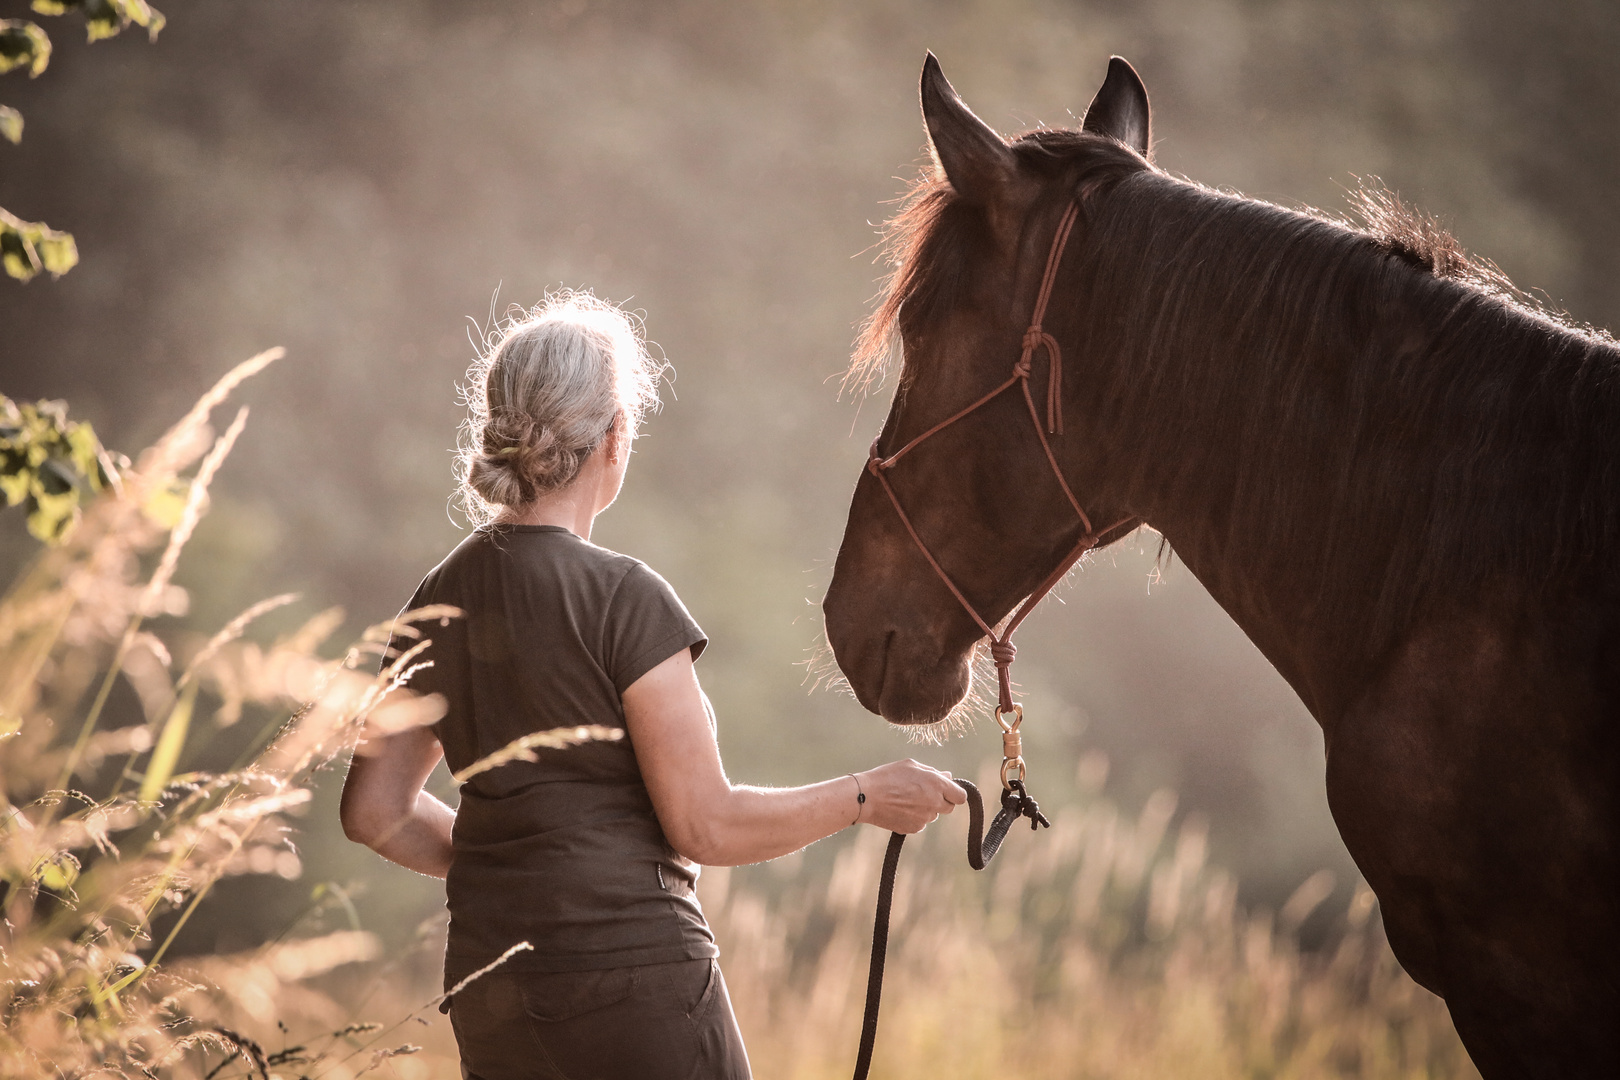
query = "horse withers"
x=1398 y=476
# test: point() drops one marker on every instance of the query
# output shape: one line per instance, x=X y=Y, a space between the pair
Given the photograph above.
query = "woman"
x=588 y=853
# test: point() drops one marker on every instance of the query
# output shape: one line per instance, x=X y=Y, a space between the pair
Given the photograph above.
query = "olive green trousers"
x=654 y=1022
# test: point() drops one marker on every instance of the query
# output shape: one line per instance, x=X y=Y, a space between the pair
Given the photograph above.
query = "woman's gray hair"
x=549 y=387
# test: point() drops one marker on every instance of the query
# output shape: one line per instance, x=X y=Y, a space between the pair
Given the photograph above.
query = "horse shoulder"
x=1474 y=781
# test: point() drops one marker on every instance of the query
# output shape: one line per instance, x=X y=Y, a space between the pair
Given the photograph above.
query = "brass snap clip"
x=1012 y=745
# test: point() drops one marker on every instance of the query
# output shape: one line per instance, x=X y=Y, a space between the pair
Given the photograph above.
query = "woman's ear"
x=618 y=439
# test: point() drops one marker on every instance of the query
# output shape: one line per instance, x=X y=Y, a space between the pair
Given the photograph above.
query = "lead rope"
x=1015 y=799
x=981 y=848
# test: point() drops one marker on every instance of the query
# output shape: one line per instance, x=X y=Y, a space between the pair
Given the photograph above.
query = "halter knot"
x=874 y=462
x=1003 y=652
x=1034 y=338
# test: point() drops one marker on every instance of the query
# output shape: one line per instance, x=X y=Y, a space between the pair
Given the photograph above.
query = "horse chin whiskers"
x=980 y=697
x=962 y=719
x=959 y=721
x=821 y=670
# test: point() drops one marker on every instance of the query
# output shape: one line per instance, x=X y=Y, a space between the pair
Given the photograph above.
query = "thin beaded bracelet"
x=860 y=798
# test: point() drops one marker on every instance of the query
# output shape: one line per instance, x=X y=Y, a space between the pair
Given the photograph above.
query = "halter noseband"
x=1001 y=647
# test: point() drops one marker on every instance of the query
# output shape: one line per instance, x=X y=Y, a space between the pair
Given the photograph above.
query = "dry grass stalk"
x=83 y=986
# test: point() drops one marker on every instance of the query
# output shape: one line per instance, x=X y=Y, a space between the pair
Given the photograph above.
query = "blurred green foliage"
x=49 y=464
x=23 y=45
x=28 y=247
x=106 y=18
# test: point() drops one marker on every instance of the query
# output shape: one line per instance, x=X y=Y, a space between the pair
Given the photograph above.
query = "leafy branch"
x=50 y=464
x=28 y=247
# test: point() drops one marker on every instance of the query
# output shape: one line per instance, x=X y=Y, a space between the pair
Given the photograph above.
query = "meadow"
x=1107 y=947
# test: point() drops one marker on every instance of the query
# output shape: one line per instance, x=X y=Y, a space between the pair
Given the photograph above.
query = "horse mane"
x=905 y=239
x=1416 y=345
x=928 y=243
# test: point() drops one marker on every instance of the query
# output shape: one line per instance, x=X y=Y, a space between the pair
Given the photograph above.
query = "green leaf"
x=14 y=485
x=16 y=252
x=165 y=505
x=103 y=19
x=56 y=477
x=167 y=752
x=84 y=450
x=107 y=992
x=31 y=246
x=15 y=265
x=140 y=13
x=59 y=874
x=50 y=516
x=23 y=44
x=11 y=124
x=57 y=251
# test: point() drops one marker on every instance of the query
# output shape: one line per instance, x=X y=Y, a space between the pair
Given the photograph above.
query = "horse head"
x=970 y=250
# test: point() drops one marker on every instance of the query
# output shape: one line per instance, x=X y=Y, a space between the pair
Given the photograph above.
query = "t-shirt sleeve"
x=646 y=625
x=422 y=681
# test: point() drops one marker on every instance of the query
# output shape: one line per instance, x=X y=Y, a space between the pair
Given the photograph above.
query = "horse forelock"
x=903 y=237
x=927 y=244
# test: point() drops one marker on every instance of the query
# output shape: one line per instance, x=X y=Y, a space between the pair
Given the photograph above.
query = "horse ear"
x=976 y=160
x=1120 y=109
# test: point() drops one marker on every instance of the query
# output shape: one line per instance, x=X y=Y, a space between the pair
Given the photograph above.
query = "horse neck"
x=1293 y=408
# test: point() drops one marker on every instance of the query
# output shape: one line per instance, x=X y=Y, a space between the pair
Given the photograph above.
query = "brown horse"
x=1396 y=474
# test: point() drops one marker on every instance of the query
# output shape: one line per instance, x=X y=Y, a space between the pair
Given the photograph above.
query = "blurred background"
x=367 y=181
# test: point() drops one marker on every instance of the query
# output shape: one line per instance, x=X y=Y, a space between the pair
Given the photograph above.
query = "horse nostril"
x=868 y=670
x=884 y=649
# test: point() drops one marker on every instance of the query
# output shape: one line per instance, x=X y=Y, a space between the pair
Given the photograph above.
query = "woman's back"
x=564 y=852
x=576 y=852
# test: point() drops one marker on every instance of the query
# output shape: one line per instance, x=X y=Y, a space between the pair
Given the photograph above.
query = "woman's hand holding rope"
x=905 y=796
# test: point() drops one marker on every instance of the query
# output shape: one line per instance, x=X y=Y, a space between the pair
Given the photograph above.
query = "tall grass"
x=1106 y=947
x=104 y=833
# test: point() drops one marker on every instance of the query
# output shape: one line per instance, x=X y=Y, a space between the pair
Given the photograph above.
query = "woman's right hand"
x=904 y=796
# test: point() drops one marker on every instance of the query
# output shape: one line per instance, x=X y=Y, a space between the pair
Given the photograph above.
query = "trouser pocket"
x=607 y=1025
x=653 y=1022
x=713 y=989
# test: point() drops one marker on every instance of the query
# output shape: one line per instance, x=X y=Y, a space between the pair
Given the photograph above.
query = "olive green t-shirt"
x=564 y=852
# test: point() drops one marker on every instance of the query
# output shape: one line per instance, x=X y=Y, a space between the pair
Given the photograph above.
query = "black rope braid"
x=880 y=948
x=1015 y=803
x=981 y=848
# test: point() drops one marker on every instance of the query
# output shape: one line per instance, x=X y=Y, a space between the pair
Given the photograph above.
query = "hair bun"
x=545 y=395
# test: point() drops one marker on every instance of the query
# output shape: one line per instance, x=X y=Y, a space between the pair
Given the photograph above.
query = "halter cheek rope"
x=1002 y=650
x=1016 y=802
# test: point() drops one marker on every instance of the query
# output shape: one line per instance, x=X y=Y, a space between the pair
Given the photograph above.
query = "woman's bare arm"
x=385 y=808
x=712 y=821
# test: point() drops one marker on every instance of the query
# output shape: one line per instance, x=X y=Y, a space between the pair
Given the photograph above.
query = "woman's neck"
x=575 y=506
x=575 y=515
